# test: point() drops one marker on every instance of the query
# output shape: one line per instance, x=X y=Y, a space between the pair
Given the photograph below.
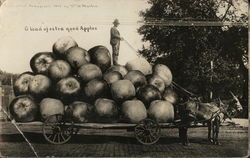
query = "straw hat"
x=116 y=21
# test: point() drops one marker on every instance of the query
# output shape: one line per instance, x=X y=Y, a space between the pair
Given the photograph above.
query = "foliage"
x=6 y=77
x=189 y=50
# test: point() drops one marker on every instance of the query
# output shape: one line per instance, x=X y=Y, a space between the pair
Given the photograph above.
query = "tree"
x=188 y=50
x=235 y=49
x=6 y=77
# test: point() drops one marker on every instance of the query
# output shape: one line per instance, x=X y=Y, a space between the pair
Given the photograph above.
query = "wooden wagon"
x=57 y=129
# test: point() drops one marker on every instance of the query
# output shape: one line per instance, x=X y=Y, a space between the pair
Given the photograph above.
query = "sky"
x=19 y=43
x=18 y=17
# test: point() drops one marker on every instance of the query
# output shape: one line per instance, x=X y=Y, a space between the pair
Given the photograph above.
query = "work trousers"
x=115 y=53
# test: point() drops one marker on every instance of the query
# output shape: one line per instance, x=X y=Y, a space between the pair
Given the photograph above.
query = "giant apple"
x=122 y=90
x=112 y=76
x=101 y=57
x=79 y=111
x=170 y=95
x=134 y=111
x=41 y=61
x=156 y=81
x=161 y=111
x=51 y=106
x=96 y=88
x=77 y=57
x=23 y=109
x=68 y=88
x=106 y=109
x=40 y=85
x=140 y=64
x=21 y=85
x=164 y=72
x=62 y=45
x=120 y=68
x=136 y=77
x=59 y=69
x=88 y=72
x=147 y=94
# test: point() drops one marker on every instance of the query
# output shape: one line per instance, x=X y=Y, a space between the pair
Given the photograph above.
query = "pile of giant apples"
x=84 y=86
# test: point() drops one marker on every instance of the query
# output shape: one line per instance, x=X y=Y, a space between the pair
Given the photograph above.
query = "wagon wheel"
x=56 y=131
x=147 y=131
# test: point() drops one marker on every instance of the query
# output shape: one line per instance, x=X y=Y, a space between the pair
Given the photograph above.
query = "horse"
x=193 y=111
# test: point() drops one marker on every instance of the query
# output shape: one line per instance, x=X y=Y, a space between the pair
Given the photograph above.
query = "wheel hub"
x=56 y=129
x=147 y=132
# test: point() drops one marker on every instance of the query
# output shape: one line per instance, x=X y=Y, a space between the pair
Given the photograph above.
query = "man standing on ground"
x=115 y=39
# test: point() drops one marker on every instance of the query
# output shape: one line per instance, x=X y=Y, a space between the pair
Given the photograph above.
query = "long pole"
x=211 y=79
x=13 y=121
x=19 y=130
x=1 y=91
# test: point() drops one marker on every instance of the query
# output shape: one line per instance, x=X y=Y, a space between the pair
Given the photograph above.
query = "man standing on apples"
x=115 y=39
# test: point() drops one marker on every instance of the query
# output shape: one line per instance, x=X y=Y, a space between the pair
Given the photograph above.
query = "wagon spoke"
x=146 y=139
x=142 y=127
x=63 y=137
x=154 y=131
x=150 y=138
x=54 y=138
x=152 y=135
x=143 y=134
x=138 y=129
x=140 y=133
x=49 y=135
x=59 y=139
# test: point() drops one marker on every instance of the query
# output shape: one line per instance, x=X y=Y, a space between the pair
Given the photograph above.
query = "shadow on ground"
x=93 y=139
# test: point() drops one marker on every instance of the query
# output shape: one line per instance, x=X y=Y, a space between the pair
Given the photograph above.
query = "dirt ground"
x=121 y=143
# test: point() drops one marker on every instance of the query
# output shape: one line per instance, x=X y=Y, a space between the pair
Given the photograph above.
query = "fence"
x=6 y=96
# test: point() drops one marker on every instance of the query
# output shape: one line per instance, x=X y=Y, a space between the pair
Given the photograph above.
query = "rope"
x=14 y=123
x=137 y=53
x=178 y=86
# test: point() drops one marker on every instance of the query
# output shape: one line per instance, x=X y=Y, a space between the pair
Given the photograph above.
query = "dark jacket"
x=114 y=36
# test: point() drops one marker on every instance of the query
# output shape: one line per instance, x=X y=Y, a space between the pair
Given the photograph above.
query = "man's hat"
x=116 y=21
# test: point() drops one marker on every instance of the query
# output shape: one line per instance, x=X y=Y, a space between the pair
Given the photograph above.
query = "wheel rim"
x=56 y=131
x=147 y=131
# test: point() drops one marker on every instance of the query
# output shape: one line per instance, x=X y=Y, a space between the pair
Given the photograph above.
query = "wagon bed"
x=97 y=125
x=57 y=130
